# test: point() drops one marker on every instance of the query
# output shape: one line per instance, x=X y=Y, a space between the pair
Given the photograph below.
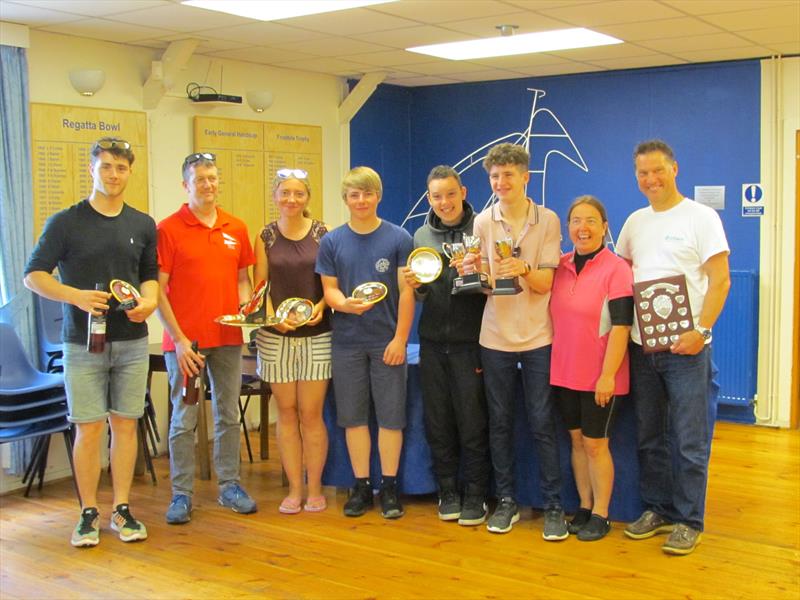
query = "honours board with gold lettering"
x=61 y=139
x=248 y=155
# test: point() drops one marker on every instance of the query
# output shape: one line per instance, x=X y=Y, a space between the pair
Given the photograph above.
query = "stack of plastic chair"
x=48 y=325
x=33 y=405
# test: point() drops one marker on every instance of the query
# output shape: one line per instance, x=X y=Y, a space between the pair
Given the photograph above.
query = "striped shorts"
x=283 y=359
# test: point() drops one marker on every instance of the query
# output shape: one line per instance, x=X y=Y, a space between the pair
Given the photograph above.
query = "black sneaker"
x=580 y=519
x=449 y=505
x=473 y=511
x=390 y=503
x=596 y=529
x=504 y=517
x=360 y=500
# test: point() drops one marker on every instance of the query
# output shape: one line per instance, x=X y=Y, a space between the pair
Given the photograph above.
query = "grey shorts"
x=283 y=359
x=112 y=382
x=359 y=371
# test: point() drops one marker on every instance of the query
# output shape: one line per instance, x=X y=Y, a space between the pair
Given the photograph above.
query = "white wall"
x=780 y=118
x=299 y=97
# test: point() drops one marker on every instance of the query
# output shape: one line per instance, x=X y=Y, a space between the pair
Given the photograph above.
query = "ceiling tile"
x=527 y=22
x=724 y=54
x=785 y=48
x=181 y=18
x=490 y=75
x=102 y=29
x=699 y=42
x=520 y=60
x=33 y=16
x=542 y=4
x=205 y=45
x=704 y=7
x=260 y=32
x=389 y=58
x=336 y=46
x=773 y=35
x=442 y=11
x=260 y=54
x=638 y=62
x=615 y=11
x=91 y=8
x=424 y=80
x=603 y=52
x=664 y=28
x=763 y=18
x=414 y=36
x=562 y=69
x=445 y=67
x=348 y=22
x=323 y=65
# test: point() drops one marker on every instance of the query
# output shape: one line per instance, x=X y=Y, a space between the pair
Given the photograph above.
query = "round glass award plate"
x=425 y=263
x=371 y=292
x=124 y=293
x=295 y=311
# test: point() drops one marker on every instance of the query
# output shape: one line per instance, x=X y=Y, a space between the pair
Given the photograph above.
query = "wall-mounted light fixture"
x=259 y=101
x=87 y=81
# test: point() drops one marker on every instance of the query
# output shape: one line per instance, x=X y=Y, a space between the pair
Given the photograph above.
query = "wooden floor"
x=751 y=548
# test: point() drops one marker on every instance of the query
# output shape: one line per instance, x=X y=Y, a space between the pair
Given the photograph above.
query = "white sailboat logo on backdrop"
x=549 y=128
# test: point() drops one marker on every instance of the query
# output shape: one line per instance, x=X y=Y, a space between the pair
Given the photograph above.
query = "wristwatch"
x=704 y=331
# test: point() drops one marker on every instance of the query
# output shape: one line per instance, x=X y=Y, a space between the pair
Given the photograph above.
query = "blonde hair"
x=362 y=178
x=277 y=181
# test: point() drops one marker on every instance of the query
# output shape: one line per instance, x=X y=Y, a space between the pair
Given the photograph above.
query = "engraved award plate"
x=425 y=263
x=124 y=293
x=371 y=292
x=662 y=311
x=295 y=311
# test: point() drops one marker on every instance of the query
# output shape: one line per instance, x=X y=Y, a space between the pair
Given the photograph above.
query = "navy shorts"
x=359 y=374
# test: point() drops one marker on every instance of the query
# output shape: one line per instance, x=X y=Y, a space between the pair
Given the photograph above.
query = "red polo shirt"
x=582 y=322
x=203 y=264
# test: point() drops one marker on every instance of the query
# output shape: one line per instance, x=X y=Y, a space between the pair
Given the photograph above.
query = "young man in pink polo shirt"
x=516 y=329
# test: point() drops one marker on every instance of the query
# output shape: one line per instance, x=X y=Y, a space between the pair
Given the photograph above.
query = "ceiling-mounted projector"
x=227 y=98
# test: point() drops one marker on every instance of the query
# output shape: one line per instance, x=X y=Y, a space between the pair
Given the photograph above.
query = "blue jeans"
x=224 y=371
x=674 y=418
x=500 y=374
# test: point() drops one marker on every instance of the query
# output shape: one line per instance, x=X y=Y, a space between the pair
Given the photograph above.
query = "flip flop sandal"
x=316 y=504
x=289 y=506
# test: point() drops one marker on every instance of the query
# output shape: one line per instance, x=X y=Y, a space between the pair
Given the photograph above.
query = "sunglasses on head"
x=108 y=144
x=291 y=174
x=198 y=156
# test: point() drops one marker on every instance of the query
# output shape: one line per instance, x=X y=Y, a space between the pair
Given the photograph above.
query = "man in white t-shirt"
x=674 y=410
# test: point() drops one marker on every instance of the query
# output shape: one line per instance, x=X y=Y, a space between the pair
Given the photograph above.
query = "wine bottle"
x=96 y=331
x=191 y=384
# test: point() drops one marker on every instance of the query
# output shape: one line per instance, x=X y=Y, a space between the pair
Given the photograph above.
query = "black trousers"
x=456 y=419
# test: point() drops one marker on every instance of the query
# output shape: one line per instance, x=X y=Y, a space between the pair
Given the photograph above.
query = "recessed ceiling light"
x=272 y=10
x=526 y=43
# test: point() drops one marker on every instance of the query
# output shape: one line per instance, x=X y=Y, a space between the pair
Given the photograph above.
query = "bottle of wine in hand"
x=96 y=331
x=191 y=384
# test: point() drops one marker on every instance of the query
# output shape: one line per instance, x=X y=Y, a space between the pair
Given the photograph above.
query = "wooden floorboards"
x=751 y=548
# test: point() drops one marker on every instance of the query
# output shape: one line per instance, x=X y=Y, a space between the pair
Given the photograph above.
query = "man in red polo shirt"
x=203 y=257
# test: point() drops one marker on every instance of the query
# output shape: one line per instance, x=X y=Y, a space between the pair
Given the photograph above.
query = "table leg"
x=203 y=458
x=263 y=428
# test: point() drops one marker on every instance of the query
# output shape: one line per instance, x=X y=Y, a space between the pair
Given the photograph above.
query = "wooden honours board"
x=248 y=155
x=61 y=139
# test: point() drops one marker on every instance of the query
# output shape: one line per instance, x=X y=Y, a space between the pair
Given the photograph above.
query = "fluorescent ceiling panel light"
x=524 y=43
x=273 y=10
